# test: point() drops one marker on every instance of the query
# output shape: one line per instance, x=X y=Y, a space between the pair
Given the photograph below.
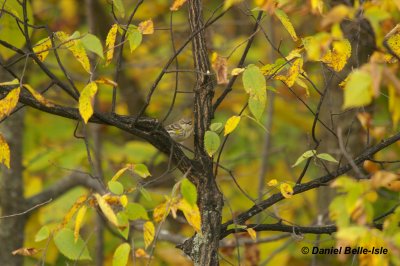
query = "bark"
x=11 y=193
x=203 y=248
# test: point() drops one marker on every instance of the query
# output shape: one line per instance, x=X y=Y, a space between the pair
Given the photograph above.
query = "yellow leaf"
x=123 y=200
x=394 y=105
x=148 y=233
x=316 y=45
x=146 y=27
x=4 y=152
x=338 y=56
x=336 y=15
x=231 y=124
x=237 y=71
x=42 y=48
x=281 y=15
x=272 y=183
x=192 y=214
x=177 y=4
x=12 y=82
x=392 y=41
x=161 y=211
x=252 y=233
x=76 y=47
x=110 y=42
x=78 y=221
x=286 y=190
x=38 y=96
x=78 y=203
x=317 y=6
x=106 y=209
x=267 y=5
x=294 y=71
x=8 y=103
x=86 y=101
x=229 y=3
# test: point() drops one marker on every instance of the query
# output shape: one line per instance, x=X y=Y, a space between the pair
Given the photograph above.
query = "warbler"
x=181 y=130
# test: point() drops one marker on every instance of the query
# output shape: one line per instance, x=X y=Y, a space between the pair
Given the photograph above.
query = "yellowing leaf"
x=106 y=209
x=281 y=15
x=110 y=42
x=119 y=6
x=338 y=56
x=41 y=49
x=76 y=47
x=39 y=97
x=286 y=190
x=8 y=103
x=257 y=103
x=358 y=89
x=78 y=203
x=229 y=3
x=253 y=79
x=141 y=170
x=237 y=71
x=327 y=157
x=148 y=233
x=146 y=27
x=121 y=171
x=4 y=152
x=272 y=183
x=121 y=255
x=78 y=221
x=231 y=124
x=252 y=233
x=177 y=4
x=106 y=81
x=86 y=101
x=192 y=214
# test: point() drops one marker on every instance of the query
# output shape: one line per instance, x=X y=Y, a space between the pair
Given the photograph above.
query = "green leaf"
x=253 y=80
x=358 y=90
x=123 y=221
x=135 y=211
x=188 y=191
x=42 y=234
x=116 y=187
x=327 y=157
x=92 y=44
x=66 y=244
x=121 y=255
x=215 y=127
x=141 y=170
x=304 y=156
x=211 y=142
x=257 y=104
x=134 y=37
x=119 y=6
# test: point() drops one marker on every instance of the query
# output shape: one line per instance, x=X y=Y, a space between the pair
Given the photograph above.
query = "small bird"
x=181 y=130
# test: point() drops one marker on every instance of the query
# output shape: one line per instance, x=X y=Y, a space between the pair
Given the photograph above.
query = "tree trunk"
x=203 y=248
x=11 y=193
